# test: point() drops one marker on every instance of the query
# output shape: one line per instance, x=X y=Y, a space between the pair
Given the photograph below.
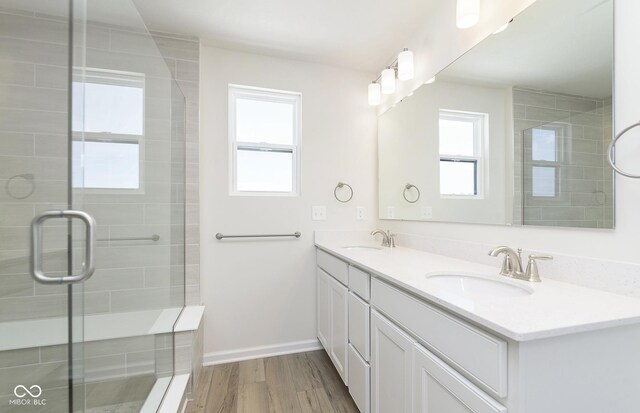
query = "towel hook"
x=340 y=186
x=404 y=193
x=611 y=151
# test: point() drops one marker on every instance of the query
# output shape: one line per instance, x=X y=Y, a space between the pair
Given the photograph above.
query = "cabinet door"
x=322 y=284
x=338 y=327
x=440 y=389
x=391 y=367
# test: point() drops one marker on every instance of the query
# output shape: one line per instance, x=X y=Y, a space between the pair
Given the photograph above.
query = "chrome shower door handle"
x=36 y=247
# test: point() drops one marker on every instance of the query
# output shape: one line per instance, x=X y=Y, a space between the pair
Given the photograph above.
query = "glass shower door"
x=90 y=121
x=127 y=171
x=40 y=320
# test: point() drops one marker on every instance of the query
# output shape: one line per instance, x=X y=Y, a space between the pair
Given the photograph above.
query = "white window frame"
x=562 y=130
x=267 y=95
x=116 y=78
x=480 y=131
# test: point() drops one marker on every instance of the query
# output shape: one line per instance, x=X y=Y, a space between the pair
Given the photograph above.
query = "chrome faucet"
x=512 y=264
x=388 y=239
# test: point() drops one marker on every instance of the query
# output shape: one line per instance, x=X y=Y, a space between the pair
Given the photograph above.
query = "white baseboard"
x=230 y=356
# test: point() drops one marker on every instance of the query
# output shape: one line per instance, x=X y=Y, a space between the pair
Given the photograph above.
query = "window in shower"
x=264 y=134
x=461 y=137
x=108 y=130
x=546 y=159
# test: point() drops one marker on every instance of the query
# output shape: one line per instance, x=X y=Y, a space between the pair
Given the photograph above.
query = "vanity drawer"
x=359 y=282
x=359 y=325
x=337 y=268
x=359 y=381
x=480 y=355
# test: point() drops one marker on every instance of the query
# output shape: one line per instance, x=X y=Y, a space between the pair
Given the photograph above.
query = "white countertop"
x=554 y=308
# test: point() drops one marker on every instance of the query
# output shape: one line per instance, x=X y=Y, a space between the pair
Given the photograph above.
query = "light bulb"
x=374 y=94
x=388 y=81
x=405 y=65
x=467 y=13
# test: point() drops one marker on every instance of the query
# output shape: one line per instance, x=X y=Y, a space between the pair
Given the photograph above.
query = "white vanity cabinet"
x=332 y=320
x=391 y=367
x=408 y=350
x=322 y=304
x=338 y=327
x=438 y=388
x=359 y=338
x=333 y=310
x=343 y=325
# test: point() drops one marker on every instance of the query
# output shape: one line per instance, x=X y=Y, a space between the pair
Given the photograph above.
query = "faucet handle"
x=392 y=240
x=532 y=273
x=541 y=257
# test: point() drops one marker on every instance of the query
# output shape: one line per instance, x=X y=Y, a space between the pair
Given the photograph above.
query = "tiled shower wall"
x=131 y=275
x=33 y=105
x=585 y=197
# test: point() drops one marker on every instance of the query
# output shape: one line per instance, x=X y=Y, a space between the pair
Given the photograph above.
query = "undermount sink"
x=361 y=247
x=473 y=285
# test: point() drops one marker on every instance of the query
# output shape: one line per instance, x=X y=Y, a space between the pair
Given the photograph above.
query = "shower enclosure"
x=92 y=149
x=562 y=175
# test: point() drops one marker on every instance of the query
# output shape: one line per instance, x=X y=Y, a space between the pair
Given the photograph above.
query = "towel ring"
x=611 y=151
x=404 y=193
x=29 y=178
x=340 y=186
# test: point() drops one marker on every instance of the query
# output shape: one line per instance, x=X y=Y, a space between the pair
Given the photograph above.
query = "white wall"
x=409 y=153
x=441 y=42
x=262 y=293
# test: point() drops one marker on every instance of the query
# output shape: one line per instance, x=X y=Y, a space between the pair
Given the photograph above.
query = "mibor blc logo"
x=27 y=396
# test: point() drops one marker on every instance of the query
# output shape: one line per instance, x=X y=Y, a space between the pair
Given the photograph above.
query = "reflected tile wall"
x=585 y=183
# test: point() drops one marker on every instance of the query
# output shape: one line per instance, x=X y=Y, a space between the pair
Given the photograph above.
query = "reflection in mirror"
x=513 y=132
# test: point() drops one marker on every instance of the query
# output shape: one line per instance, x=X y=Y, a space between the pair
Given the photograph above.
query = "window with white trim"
x=546 y=159
x=108 y=129
x=461 y=137
x=264 y=137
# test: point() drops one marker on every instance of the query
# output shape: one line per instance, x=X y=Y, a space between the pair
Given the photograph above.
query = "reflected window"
x=543 y=181
x=108 y=129
x=545 y=156
x=544 y=145
x=264 y=132
x=461 y=139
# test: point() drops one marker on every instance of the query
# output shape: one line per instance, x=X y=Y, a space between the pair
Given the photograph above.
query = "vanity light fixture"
x=405 y=65
x=402 y=67
x=374 y=94
x=467 y=13
x=388 y=81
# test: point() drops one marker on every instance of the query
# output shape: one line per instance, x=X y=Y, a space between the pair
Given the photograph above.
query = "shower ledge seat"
x=53 y=331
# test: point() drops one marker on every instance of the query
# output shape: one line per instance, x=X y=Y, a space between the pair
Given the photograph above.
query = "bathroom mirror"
x=514 y=132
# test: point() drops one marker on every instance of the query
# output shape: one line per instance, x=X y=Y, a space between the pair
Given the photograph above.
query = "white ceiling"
x=359 y=34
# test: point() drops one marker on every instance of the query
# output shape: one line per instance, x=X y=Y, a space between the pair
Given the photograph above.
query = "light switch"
x=319 y=213
x=360 y=213
x=391 y=212
x=427 y=212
